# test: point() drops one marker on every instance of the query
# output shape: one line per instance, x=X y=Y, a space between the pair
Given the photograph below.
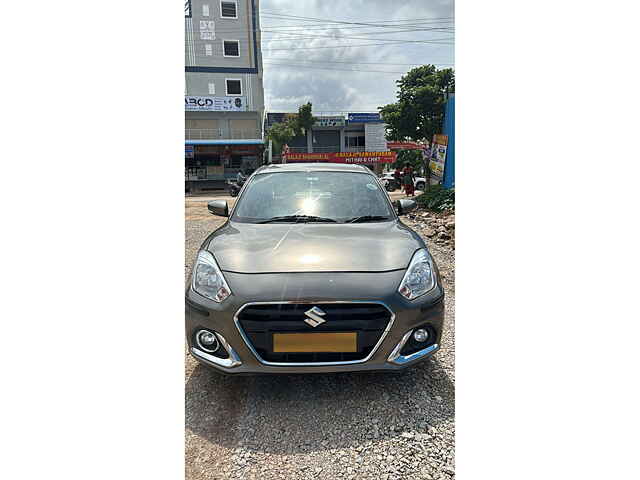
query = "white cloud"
x=289 y=82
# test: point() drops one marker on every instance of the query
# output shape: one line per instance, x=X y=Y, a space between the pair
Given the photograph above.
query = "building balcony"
x=326 y=148
x=355 y=149
x=220 y=134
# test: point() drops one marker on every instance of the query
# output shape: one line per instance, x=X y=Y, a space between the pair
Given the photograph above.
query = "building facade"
x=344 y=132
x=224 y=95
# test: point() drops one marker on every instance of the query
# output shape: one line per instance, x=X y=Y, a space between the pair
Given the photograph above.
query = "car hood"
x=313 y=247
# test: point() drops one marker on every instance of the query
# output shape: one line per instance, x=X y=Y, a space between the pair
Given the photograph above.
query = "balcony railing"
x=220 y=134
x=326 y=149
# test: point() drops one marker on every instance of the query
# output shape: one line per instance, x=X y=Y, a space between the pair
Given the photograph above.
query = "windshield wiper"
x=299 y=219
x=367 y=218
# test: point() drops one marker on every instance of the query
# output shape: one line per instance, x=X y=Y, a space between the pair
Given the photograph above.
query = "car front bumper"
x=313 y=288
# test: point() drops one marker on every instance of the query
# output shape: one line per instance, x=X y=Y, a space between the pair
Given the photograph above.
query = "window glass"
x=341 y=196
x=234 y=87
x=231 y=48
x=228 y=10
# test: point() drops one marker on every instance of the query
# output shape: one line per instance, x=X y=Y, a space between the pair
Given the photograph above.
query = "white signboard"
x=207 y=30
x=330 y=121
x=374 y=140
x=214 y=104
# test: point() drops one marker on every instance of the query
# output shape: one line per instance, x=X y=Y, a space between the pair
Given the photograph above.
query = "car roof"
x=318 y=167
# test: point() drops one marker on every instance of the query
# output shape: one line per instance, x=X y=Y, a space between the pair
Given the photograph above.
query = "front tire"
x=420 y=186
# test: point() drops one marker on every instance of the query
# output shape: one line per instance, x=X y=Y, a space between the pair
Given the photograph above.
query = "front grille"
x=259 y=322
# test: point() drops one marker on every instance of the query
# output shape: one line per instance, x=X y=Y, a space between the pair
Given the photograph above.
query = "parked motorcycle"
x=233 y=188
x=391 y=185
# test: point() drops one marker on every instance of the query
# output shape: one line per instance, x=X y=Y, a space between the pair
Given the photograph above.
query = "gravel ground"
x=325 y=426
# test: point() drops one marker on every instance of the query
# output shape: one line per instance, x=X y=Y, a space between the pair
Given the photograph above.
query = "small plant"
x=438 y=199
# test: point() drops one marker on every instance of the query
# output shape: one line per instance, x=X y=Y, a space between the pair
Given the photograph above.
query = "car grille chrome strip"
x=399 y=359
x=250 y=346
x=231 y=362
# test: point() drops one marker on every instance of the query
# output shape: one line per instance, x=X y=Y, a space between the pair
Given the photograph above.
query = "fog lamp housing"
x=420 y=335
x=207 y=341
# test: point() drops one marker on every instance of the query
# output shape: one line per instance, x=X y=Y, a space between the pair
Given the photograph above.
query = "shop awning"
x=256 y=141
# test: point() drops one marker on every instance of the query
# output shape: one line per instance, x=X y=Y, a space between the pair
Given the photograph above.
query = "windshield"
x=313 y=196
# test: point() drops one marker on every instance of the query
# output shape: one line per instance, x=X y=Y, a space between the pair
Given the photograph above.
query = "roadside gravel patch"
x=324 y=426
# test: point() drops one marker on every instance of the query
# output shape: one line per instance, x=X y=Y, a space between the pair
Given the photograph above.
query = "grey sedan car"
x=313 y=271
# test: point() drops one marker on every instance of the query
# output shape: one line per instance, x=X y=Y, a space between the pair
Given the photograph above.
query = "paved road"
x=324 y=426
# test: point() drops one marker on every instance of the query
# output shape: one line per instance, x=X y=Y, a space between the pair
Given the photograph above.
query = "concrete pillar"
x=309 y=141
x=342 y=148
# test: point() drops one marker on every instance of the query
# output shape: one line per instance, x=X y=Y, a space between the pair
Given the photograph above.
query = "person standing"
x=397 y=175
x=408 y=180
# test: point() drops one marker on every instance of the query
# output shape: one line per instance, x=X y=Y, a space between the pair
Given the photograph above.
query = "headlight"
x=420 y=276
x=207 y=278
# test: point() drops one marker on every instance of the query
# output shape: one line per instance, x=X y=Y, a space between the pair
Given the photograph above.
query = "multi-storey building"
x=224 y=95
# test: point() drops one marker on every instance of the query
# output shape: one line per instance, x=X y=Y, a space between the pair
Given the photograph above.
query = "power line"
x=284 y=16
x=293 y=65
x=360 y=63
x=332 y=26
x=434 y=42
x=302 y=36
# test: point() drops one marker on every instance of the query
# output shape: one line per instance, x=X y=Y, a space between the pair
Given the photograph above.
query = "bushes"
x=438 y=198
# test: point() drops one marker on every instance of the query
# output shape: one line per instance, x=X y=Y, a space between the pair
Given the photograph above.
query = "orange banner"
x=343 y=157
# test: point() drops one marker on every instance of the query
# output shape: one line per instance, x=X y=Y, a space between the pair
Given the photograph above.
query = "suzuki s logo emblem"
x=315 y=317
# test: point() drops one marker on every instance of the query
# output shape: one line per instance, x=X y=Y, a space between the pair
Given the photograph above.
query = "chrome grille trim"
x=314 y=302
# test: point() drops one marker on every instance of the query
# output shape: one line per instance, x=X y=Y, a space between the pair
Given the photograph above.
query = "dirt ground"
x=324 y=426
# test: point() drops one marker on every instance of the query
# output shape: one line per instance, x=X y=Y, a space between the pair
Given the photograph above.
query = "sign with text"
x=438 y=155
x=364 y=158
x=364 y=117
x=374 y=137
x=214 y=104
x=330 y=121
x=404 y=146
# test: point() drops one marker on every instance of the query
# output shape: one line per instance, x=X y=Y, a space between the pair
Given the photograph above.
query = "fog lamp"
x=420 y=335
x=207 y=341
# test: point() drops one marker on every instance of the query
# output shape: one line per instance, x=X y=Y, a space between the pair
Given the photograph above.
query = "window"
x=228 y=9
x=354 y=141
x=234 y=87
x=231 y=48
x=205 y=10
x=212 y=89
x=208 y=50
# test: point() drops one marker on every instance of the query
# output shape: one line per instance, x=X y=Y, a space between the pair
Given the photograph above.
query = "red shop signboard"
x=364 y=158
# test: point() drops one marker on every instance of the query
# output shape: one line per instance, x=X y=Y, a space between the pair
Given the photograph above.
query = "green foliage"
x=419 y=112
x=281 y=133
x=438 y=199
x=412 y=157
x=293 y=126
x=305 y=119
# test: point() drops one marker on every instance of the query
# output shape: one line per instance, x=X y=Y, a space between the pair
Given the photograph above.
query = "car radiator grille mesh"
x=260 y=321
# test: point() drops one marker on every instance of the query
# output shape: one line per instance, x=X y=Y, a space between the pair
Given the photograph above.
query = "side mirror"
x=218 y=207
x=405 y=206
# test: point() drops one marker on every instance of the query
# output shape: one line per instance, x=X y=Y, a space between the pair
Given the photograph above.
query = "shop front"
x=210 y=163
x=373 y=160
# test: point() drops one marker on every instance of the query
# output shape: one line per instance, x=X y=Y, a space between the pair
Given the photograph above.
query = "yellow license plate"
x=315 y=342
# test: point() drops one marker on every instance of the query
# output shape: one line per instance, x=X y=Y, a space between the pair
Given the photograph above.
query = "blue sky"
x=291 y=47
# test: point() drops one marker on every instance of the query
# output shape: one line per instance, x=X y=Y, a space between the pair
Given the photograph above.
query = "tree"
x=281 y=133
x=419 y=112
x=412 y=157
x=305 y=119
x=293 y=126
